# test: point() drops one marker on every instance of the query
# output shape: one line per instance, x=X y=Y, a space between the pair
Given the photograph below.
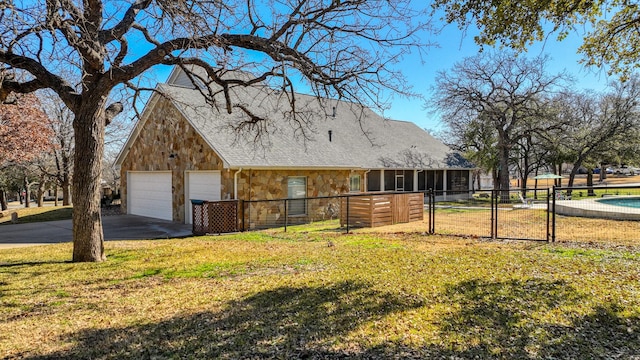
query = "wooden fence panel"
x=382 y=209
x=400 y=208
x=416 y=207
x=381 y=212
x=366 y=211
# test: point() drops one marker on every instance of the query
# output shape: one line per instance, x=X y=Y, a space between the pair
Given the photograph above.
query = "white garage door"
x=150 y=194
x=201 y=185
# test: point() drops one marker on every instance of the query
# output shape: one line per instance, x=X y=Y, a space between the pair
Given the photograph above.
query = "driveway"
x=117 y=227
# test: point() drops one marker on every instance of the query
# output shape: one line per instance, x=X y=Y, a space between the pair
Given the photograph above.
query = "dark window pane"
x=373 y=180
x=408 y=180
x=389 y=180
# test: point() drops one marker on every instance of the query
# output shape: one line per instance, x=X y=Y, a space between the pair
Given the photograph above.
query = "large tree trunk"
x=590 y=192
x=525 y=175
x=88 y=238
x=603 y=172
x=572 y=177
x=3 y=200
x=27 y=192
x=41 y=187
x=504 y=173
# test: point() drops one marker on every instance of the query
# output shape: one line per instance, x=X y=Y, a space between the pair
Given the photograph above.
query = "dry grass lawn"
x=524 y=223
x=319 y=295
x=389 y=292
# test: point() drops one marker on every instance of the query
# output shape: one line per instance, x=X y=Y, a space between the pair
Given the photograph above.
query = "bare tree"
x=24 y=134
x=339 y=48
x=477 y=140
x=598 y=122
x=60 y=121
x=504 y=90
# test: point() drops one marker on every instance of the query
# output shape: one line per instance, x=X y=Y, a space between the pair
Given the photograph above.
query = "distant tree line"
x=509 y=116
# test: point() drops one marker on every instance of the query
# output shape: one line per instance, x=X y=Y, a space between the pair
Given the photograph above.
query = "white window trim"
x=304 y=213
x=351 y=190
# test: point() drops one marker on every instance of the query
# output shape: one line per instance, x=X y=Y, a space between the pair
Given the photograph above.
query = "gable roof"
x=354 y=138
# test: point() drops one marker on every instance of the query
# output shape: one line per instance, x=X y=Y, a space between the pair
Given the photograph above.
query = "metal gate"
x=521 y=214
x=514 y=214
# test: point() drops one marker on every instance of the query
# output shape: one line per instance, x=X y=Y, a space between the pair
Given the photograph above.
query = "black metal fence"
x=556 y=214
x=334 y=212
x=518 y=214
x=596 y=213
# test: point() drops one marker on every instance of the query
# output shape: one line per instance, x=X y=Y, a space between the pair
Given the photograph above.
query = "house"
x=182 y=148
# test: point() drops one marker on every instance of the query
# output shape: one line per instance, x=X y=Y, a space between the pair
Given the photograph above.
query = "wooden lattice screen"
x=214 y=217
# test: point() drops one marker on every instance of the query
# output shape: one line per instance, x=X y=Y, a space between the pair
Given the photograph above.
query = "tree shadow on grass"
x=286 y=322
x=33 y=263
x=51 y=215
x=492 y=320
x=517 y=319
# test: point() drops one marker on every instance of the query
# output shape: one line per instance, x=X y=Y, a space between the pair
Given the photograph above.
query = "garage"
x=201 y=185
x=150 y=194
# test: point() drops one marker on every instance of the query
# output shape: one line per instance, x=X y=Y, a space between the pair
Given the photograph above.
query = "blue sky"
x=454 y=46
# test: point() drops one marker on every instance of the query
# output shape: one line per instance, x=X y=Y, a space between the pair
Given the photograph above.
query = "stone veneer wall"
x=272 y=184
x=166 y=132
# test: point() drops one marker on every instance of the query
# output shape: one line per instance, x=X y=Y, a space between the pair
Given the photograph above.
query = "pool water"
x=633 y=202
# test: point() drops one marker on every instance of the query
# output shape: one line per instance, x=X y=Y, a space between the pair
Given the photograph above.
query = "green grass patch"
x=321 y=295
x=39 y=214
x=594 y=254
x=325 y=225
x=458 y=210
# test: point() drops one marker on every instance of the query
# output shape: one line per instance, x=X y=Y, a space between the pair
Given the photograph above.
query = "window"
x=434 y=179
x=408 y=180
x=458 y=180
x=354 y=183
x=389 y=180
x=373 y=180
x=297 y=189
x=399 y=182
x=422 y=181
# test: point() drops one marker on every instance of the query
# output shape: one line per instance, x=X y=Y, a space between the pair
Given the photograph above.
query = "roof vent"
x=330 y=133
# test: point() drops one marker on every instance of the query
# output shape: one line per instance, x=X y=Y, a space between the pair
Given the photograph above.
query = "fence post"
x=429 y=210
x=432 y=211
x=493 y=195
x=497 y=196
x=286 y=214
x=241 y=204
x=553 y=216
x=548 y=217
x=347 y=214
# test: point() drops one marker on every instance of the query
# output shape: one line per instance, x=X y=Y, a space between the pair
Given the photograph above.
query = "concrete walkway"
x=117 y=227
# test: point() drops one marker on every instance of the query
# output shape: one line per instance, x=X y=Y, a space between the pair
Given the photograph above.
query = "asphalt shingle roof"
x=360 y=138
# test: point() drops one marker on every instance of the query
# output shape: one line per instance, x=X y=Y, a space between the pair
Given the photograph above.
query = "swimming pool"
x=615 y=207
x=632 y=202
